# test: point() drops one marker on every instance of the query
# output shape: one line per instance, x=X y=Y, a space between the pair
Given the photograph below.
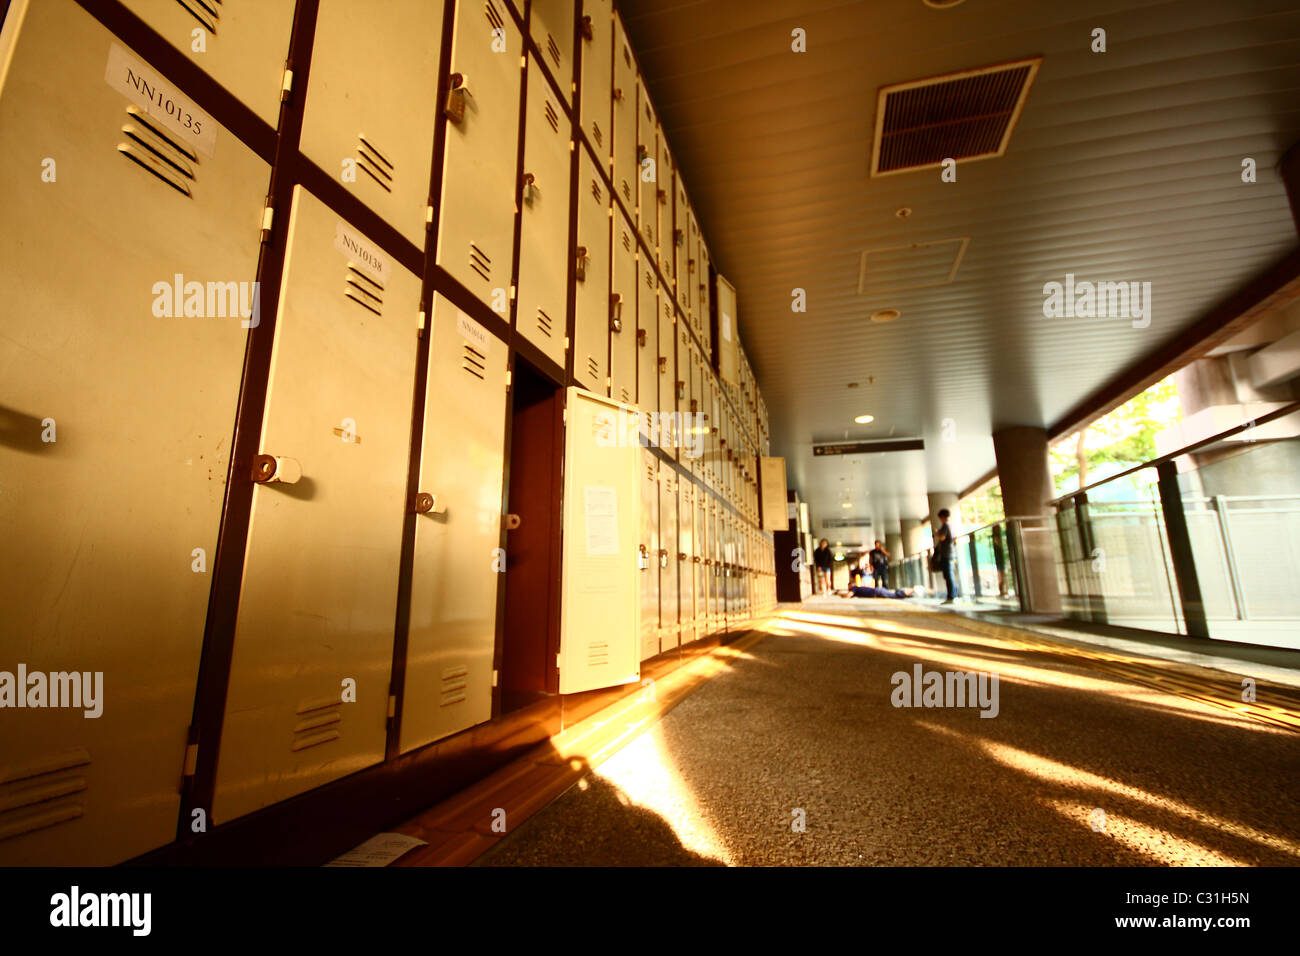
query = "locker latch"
x=530 y=187
x=641 y=338
x=663 y=364
x=268 y=468
x=695 y=405
x=663 y=558
x=681 y=389
x=641 y=155
x=513 y=522
x=690 y=265
x=618 y=94
x=586 y=28
x=454 y=108
x=663 y=197
x=643 y=559
x=679 y=237
x=424 y=503
x=582 y=259
x=616 y=311
x=681 y=555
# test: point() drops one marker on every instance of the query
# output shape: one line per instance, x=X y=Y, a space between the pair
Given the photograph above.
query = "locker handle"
x=618 y=94
x=663 y=364
x=457 y=90
x=681 y=555
x=269 y=468
x=513 y=522
x=616 y=311
x=643 y=559
x=681 y=389
x=679 y=237
x=531 y=189
x=582 y=258
x=641 y=338
x=425 y=503
x=586 y=28
x=663 y=558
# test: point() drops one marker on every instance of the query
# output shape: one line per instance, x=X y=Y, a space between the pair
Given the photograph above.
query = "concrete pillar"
x=913 y=536
x=1026 y=488
x=894 y=545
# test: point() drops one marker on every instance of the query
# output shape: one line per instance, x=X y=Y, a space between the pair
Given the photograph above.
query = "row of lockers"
x=130 y=370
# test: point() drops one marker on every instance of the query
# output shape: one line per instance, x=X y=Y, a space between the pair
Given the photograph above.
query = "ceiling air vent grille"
x=968 y=115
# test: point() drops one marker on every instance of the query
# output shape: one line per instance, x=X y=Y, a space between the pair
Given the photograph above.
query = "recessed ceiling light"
x=853 y=384
x=846 y=504
x=903 y=212
x=885 y=315
x=865 y=419
x=942 y=4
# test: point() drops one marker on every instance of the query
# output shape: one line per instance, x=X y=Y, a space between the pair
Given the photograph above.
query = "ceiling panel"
x=1123 y=166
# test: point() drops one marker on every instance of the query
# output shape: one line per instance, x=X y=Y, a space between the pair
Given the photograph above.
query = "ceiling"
x=1124 y=166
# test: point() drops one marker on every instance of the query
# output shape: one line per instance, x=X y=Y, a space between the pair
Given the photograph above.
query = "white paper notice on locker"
x=601 y=506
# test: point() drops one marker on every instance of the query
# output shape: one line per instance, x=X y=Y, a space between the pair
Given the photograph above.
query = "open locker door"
x=600 y=584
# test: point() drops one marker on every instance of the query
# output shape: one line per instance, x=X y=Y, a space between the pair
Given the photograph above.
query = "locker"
x=664 y=196
x=686 y=561
x=373 y=141
x=455 y=572
x=681 y=245
x=597 y=31
x=477 y=203
x=726 y=345
x=703 y=288
x=667 y=376
x=647 y=152
x=623 y=311
x=692 y=303
x=716 y=605
x=245 y=43
x=700 y=542
x=668 y=607
x=544 y=221
x=551 y=27
x=625 y=174
x=696 y=409
x=600 y=638
x=591 y=279
x=105 y=520
x=682 y=391
x=649 y=557
x=309 y=678
x=647 y=343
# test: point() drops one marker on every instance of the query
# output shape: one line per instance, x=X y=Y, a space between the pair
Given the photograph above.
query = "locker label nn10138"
x=350 y=242
x=160 y=99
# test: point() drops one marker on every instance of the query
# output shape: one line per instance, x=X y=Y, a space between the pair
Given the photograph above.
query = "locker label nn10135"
x=160 y=99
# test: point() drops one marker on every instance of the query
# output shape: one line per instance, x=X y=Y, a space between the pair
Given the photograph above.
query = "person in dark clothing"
x=879 y=558
x=943 y=552
x=866 y=592
x=999 y=559
x=824 y=563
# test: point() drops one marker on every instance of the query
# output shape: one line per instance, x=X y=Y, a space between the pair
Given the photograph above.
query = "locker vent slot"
x=474 y=362
x=627 y=240
x=596 y=134
x=552 y=49
x=649 y=279
x=593 y=367
x=967 y=116
x=544 y=323
x=364 y=290
x=455 y=685
x=41 y=793
x=596 y=191
x=627 y=191
x=552 y=117
x=151 y=148
x=626 y=397
x=493 y=15
x=207 y=12
x=375 y=164
x=480 y=262
x=627 y=55
x=597 y=653
x=318 y=725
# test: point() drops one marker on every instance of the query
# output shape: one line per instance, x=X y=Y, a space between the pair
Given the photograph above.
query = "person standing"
x=879 y=565
x=823 y=562
x=943 y=548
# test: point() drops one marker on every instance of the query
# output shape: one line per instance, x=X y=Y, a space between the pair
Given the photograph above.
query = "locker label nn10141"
x=472 y=332
x=160 y=100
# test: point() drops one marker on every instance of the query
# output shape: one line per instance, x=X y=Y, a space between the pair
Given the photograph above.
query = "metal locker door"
x=681 y=240
x=544 y=221
x=682 y=390
x=600 y=639
x=701 y=569
x=623 y=311
x=667 y=558
x=244 y=43
x=647 y=158
x=648 y=559
x=591 y=279
x=664 y=196
x=456 y=567
x=625 y=172
x=477 y=203
x=379 y=148
x=309 y=676
x=597 y=32
x=551 y=27
x=667 y=376
x=693 y=273
x=696 y=408
x=715 y=554
x=647 y=343
x=685 y=559
x=703 y=287
x=116 y=411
